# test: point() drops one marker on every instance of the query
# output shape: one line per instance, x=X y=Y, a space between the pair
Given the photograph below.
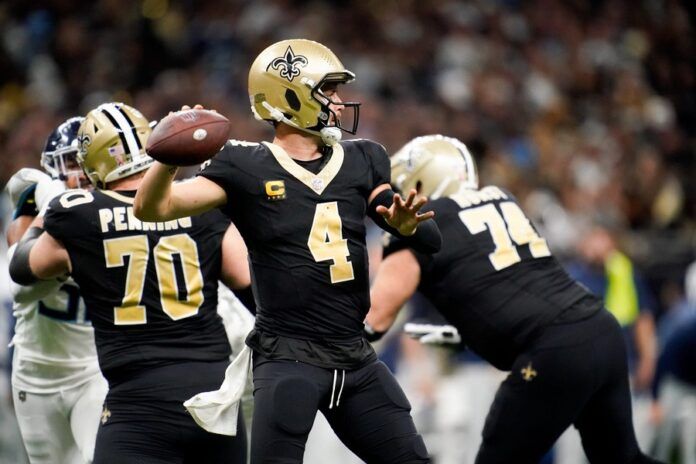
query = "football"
x=188 y=137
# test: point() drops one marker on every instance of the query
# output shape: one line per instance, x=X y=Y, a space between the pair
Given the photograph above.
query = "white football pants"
x=61 y=428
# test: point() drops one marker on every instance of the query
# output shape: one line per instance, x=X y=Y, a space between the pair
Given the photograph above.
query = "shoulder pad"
x=369 y=146
x=23 y=180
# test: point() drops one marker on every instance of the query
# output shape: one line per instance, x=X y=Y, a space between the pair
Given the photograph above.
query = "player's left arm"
x=396 y=281
x=403 y=218
x=25 y=294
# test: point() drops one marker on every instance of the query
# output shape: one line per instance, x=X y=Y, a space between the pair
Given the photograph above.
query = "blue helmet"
x=59 y=157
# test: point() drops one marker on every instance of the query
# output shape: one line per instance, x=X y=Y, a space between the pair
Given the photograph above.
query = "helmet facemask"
x=59 y=157
x=328 y=117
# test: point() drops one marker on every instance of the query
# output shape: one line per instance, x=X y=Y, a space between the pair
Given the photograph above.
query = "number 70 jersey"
x=150 y=287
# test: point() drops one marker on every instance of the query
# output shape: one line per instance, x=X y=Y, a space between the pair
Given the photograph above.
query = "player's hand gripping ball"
x=188 y=137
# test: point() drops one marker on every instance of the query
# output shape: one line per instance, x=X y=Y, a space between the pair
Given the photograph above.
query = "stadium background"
x=586 y=110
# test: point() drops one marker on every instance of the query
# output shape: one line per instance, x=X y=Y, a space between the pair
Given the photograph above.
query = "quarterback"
x=300 y=202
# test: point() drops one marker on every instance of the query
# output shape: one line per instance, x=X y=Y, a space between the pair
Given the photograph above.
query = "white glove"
x=22 y=180
x=47 y=190
x=431 y=334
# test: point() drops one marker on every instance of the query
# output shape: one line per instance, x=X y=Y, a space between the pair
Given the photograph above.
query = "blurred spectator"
x=609 y=273
x=674 y=386
x=683 y=310
x=675 y=392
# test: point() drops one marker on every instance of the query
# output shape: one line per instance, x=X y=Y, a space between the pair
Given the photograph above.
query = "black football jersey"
x=494 y=277
x=306 y=238
x=150 y=287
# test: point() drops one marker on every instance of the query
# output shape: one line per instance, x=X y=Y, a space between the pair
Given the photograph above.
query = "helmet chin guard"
x=331 y=135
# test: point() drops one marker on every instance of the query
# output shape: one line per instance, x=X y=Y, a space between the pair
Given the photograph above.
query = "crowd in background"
x=586 y=110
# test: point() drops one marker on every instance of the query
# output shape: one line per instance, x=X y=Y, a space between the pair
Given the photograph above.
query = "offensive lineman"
x=58 y=389
x=496 y=281
x=300 y=203
x=151 y=292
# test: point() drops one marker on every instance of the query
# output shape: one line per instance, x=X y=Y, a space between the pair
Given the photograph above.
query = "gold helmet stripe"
x=126 y=131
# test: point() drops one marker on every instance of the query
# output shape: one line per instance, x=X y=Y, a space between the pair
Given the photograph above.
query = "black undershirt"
x=315 y=165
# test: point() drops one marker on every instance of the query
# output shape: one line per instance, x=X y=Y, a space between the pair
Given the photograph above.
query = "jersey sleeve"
x=219 y=169
x=392 y=244
x=61 y=215
x=26 y=205
x=379 y=160
x=217 y=222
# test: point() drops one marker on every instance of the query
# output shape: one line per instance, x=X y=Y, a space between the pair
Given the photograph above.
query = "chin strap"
x=329 y=135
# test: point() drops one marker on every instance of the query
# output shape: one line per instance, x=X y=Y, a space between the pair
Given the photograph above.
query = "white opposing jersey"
x=54 y=341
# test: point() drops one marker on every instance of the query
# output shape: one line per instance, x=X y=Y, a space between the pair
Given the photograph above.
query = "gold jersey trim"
x=316 y=182
x=118 y=196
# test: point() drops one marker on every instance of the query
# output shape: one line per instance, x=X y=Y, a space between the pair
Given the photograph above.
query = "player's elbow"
x=20 y=270
x=147 y=212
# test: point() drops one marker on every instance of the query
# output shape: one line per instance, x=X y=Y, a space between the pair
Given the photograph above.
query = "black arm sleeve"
x=20 y=271
x=246 y=296
x=427 y=238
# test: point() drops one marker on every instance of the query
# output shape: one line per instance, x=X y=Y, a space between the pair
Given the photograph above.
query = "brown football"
x=188 y=137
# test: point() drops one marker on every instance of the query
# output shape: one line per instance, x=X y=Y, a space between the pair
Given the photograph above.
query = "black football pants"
x=145 y=422
x=365 y=407
x=575 y=373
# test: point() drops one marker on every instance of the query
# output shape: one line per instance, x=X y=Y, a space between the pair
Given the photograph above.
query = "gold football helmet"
x=286 y=82
x=434 y=165
x=111 y=143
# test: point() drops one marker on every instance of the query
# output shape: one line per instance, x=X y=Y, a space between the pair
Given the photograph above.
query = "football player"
x=300 y=202
x=497 y=282
x=151 y=292
x=57 y=387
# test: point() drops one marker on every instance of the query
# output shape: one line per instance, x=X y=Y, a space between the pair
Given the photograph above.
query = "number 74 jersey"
x=150 y=287
x=495 y=278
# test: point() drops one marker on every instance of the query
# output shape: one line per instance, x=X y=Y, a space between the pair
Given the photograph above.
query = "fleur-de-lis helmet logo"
x=83 y=142
x=289 y=64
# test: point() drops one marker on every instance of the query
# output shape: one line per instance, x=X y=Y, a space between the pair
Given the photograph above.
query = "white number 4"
x=513 y=225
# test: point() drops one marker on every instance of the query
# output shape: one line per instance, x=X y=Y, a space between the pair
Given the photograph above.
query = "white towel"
x=216 y=411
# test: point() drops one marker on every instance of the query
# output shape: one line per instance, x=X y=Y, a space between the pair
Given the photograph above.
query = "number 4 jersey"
x=303 y=223
x=150 y=287
x=495 y=278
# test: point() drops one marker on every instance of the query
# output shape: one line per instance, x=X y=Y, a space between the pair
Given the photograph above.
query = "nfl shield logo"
x=317 y=184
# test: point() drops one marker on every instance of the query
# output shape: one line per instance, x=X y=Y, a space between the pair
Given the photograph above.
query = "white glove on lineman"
x=47 y=190
x=431 y=334
x=22 y=180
